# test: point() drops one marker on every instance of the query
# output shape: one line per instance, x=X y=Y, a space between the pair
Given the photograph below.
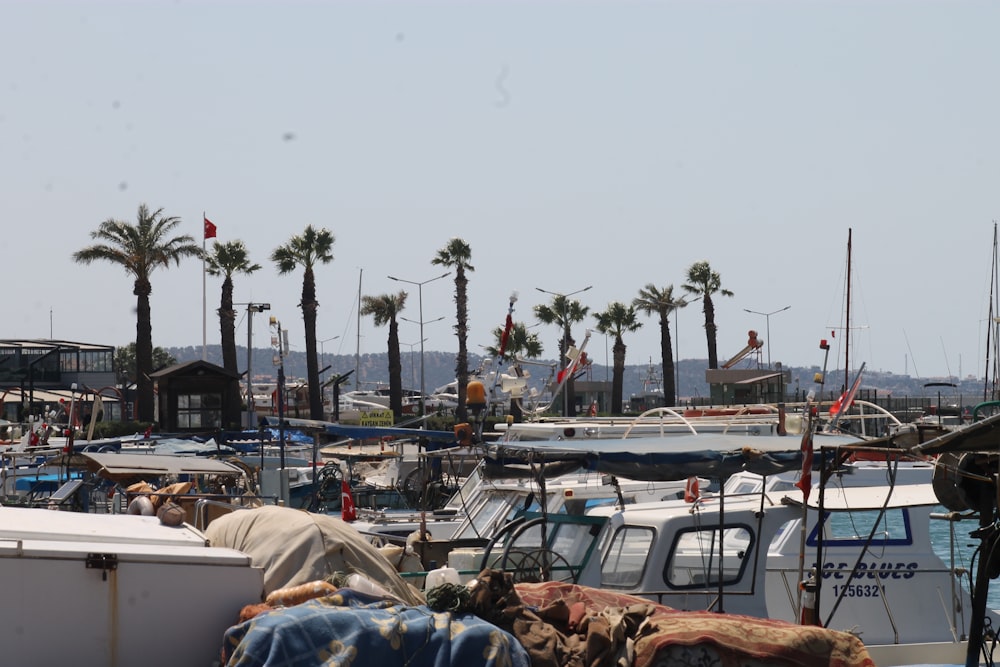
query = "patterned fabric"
x=350 y=628
x=707 y=639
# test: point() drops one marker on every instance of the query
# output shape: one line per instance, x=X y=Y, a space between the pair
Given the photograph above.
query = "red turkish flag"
x=209 y=229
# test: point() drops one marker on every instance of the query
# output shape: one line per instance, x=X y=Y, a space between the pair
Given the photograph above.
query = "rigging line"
x=910 y=350
x=945 y=351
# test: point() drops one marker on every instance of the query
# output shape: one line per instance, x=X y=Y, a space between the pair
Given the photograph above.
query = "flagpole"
x=204 y=301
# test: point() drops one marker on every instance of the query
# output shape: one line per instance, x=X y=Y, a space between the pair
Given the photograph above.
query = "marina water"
x=966 y=554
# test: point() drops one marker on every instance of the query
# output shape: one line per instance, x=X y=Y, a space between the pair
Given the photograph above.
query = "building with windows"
x=37 y=377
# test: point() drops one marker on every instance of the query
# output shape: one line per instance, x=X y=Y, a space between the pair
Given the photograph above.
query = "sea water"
x=966 y=551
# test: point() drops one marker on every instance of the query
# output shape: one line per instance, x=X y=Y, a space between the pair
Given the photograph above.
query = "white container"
x=440 y=576
x=119 y=590
x=466 y=560
x=360 y=582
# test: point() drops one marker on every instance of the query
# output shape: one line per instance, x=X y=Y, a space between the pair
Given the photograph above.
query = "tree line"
x=151 y=242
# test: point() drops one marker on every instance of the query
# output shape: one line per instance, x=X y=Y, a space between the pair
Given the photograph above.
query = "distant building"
x=37 y=377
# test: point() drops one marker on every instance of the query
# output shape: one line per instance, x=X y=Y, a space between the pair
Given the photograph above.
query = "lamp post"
x=420 y=301
x=251 y=309
x=767 y=318
x=322 y=353
x=565 y=340
x=413 y=371
x=279 y=345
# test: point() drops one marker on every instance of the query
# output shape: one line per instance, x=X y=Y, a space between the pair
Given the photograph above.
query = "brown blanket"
x=618 y=626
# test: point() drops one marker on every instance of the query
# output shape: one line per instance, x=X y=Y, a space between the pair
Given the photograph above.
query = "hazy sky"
x=578 y=143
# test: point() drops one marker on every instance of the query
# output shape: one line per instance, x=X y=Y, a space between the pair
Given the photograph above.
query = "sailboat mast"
x=357 y=341
x=847 y=326
x=990 y=379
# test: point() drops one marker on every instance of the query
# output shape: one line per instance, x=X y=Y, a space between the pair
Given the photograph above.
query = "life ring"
x=141 y=506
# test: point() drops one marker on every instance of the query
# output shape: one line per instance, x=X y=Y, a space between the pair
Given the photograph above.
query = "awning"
x=665 y=458
x=118 y=466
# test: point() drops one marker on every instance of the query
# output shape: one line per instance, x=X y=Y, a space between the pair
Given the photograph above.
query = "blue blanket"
x=352 y=628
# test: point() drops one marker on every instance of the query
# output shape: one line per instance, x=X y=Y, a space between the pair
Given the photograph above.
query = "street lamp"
x=413 y=372
x=322 y=353
x=767 y=317
x=420 y=301
x=251 y=309
x=565 y=341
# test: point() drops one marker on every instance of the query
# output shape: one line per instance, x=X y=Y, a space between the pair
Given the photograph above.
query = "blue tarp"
x=350 y=627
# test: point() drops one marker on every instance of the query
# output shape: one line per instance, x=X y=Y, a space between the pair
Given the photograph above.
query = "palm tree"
x=139 y=248
x=227 y=259
x=457 y=255
x=564 y=312
x=653 y=299
x=520 y=343
x=704 y=282
x=308 y=249
x=618 y=319
x=384 y=309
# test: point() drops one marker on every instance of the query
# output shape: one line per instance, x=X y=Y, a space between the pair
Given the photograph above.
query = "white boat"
x=896 y=593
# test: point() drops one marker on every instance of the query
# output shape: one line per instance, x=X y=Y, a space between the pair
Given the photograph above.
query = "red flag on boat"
x=348 y=512
x=691 y=490
x=846 y=400
x=508 y=325
x=209 y=229
x=805 y=479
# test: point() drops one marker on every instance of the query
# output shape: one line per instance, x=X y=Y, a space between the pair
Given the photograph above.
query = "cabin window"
x=852 y=528
x=626 y=557
x=484 y=519
x=694 y=560
x=195 y=411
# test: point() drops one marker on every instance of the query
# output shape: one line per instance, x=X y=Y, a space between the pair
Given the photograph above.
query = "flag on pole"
x=805 y=479
x=348 y=512
x=209 y=229
x=96 y=413
x=508 y=325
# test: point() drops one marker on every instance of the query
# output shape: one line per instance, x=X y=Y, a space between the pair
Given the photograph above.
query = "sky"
x=571 y=144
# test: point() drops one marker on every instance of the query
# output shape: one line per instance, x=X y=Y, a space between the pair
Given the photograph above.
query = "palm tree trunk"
x=143 y=353
x=395 y=372
x=227 y=327
x=667 y=362
x=710 y=331
x=618 y=377
x=309 y=307
x=462 y=330
x=227 y=333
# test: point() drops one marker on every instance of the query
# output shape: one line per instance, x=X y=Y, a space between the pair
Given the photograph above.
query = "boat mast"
x=990 y=379
x=847 y=325
x=357 y=343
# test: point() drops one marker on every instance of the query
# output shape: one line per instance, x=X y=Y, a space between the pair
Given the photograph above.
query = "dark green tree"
x=457 y=255
x=308 y=249
x=703 y=282
x=564 y=312
x=385 y=309
x=226 y=260
x=520 y=345
x=139 y=248
x=661 y=301
x=616 y=320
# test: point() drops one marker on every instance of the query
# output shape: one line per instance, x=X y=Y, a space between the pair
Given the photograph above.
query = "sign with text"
x=377 y=418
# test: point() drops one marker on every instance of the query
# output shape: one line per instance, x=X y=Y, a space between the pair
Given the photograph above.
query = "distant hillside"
x=439 y=369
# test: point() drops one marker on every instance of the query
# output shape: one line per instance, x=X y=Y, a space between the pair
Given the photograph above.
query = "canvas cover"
x=295 y=547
